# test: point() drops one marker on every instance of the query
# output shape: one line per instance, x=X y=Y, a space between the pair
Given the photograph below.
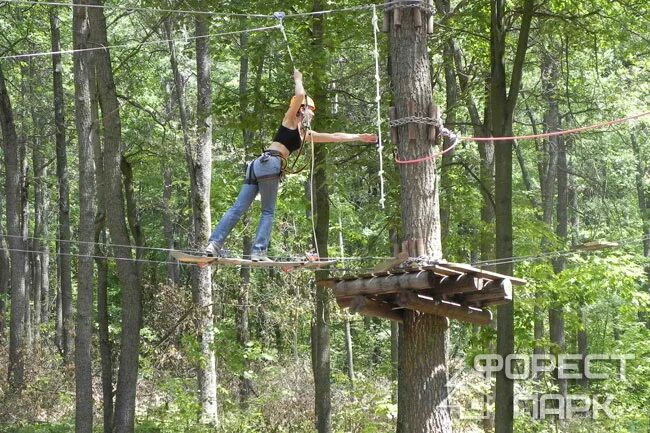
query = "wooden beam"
x=390 y=264
x=492 y=291
x=382 y=285
x=370 y=307
x=457 y=284
x=413 y=301
x=483 y=273
x=385 y=285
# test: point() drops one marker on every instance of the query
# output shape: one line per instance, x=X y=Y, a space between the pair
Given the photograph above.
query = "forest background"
x=586 y=63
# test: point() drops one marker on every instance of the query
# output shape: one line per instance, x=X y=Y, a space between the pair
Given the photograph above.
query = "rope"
x=380 y=146
x=135 y=8
x=456 y=139
x=166 y=250
x=280 y=16
x=132 y=45
x=311 y=193
x=444 y=132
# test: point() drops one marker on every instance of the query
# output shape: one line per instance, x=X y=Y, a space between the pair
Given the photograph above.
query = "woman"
x=263 y=174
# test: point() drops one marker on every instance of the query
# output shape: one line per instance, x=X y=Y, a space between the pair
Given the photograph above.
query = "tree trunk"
x=116 y=221
x=101 y=252
x=83 y=340
x=556 y=311
x=243 y=309
x=321 y=213
x=173 y=270
x=17 y=244
x=501 y=108
x=202 y=174
x=422 y=381
x=64 y=268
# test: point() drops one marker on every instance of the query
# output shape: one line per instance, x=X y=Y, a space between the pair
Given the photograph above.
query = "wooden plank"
x=233 y=261
x=427 y=305
x=457 y=284
x=492 y=291
x=389 y=264
x=484 y=273
x=385 y=285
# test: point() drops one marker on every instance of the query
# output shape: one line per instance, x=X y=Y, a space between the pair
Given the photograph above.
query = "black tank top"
x=289 y=137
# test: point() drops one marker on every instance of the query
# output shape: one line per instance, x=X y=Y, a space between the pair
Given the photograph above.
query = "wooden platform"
x=234 y=261
x=454 y=290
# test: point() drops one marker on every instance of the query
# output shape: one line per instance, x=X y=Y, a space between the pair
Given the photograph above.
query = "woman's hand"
x=297 y=75
x=368 y=138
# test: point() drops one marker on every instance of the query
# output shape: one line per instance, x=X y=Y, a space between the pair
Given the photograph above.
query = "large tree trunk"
x=501 y=108
x=422 y=392
x=64 y=268
x=116 y=222
x=83 y=119
x=320 y=200
x=17 y=244
x=202 y=170
x=101 y=252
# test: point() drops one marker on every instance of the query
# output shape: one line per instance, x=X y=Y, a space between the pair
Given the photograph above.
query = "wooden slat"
x=452 y=310
x=204 y=260
x=389 y=264
x=483 y=273
x=384 y=285
x=493 y=291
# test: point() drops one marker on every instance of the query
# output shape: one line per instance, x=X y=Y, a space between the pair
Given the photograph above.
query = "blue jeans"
x=265 y=179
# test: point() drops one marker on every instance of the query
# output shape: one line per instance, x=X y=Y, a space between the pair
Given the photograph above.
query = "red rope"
x=525 y=137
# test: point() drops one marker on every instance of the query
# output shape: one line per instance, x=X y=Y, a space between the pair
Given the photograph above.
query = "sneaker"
x=260 y=256
x=215 y=250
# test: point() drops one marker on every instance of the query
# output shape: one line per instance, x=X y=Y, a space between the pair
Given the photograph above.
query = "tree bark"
x=64 y=268
x=422 y=392
x=243 y=309
x=501 y=111
x=173 y=270
x=201 y=167
x=101 y=252
x=321 y=215
x=16 y=242
x=83 y=119
x=116 y=222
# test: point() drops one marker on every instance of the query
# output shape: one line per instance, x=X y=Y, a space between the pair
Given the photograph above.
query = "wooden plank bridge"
x=457 y=291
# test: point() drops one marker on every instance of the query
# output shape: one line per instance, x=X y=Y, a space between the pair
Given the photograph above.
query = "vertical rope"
x=380 y=146
x=311 y=194
x=280 y=16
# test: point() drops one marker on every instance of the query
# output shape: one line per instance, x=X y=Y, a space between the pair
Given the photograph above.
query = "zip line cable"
x=165 y=250
x=136 y=45
x=505 y=260
x=135 y=8
x=387 y=5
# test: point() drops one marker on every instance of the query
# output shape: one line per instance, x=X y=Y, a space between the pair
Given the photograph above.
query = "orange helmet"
x=306 y=101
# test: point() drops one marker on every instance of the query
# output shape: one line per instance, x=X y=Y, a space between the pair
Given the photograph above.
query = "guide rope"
x=380 y=146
